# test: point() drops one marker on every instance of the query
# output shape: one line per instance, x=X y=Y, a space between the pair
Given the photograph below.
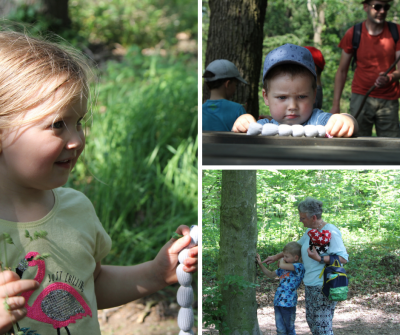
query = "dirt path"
x=154 y=315
x=377 y=313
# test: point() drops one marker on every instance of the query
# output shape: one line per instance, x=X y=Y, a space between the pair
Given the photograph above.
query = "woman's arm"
x=274 y=258
x=313 y=254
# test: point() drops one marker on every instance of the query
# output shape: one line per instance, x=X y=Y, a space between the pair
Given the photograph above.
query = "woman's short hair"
x=311 y=207
x=293 y=248
x=32 y=70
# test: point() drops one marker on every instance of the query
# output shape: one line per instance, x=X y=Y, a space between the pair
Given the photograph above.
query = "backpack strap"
x=393 y=31
x=356 y=42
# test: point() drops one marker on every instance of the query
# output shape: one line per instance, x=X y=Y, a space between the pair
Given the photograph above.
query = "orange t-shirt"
x=375 y=54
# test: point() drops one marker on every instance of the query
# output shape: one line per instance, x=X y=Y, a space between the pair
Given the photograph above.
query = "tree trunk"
x=59 y=10
x=235 y=33
x=317 y=12
x=238 y=241
x=56 y=9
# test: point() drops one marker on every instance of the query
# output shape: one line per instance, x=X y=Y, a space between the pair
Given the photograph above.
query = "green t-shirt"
x=75 y=241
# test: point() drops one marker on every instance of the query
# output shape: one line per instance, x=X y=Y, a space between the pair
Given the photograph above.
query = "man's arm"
x=340 y=79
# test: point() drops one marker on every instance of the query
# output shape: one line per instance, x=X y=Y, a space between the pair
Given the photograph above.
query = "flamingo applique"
x=58 y=304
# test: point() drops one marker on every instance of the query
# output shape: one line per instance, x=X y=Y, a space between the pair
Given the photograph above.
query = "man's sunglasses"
x=379 y=7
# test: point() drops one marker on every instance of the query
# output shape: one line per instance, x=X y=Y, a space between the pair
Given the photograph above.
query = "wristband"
x=322 y=260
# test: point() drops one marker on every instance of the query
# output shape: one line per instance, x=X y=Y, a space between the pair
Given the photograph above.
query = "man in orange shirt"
x=376 y=52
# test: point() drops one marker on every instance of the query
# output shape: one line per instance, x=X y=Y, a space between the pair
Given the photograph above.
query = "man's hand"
x=340 y=125
x=383 y=80
x=242 y=123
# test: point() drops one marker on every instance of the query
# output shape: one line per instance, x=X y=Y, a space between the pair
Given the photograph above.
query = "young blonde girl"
x=58 y=241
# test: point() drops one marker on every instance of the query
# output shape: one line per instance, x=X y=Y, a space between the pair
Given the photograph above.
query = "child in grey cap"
x=219 y=114
x=289 y=89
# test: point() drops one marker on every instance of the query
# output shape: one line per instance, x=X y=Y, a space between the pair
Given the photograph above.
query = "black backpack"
x=336 y=283
x=357 y=38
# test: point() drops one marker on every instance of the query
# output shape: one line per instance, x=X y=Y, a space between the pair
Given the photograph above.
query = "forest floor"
x=368 y=312
x=153 y=315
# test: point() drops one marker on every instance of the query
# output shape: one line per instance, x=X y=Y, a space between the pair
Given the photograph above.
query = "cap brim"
x=242 y=80
x=289 y=62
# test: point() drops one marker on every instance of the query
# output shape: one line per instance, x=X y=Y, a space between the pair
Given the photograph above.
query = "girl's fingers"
x=17 y=287
x=17 y=314
x=8 y=276
x=15 y=303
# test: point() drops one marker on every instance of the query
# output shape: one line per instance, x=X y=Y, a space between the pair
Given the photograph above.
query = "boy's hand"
x=341 y=125
x=11 y=286
x=282 y=261
x=242 y=123
x=258 y=259
x=166 y=260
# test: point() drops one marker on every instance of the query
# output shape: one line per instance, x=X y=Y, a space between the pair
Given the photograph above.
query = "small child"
x=58 y=240
x=291 y=273
x=289 y=90
x=319 y=61
x=219 y=114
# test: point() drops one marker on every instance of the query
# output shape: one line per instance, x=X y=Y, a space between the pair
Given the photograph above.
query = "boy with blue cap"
x=289 y=89
x=219 y=114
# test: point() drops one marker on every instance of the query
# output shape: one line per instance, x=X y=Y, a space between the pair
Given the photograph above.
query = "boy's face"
x=290 y=98
x=289 y=258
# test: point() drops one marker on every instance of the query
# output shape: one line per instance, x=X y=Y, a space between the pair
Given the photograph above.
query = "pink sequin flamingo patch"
x=58 y=304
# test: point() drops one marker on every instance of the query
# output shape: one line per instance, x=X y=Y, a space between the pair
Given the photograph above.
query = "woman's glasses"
x=378 y=7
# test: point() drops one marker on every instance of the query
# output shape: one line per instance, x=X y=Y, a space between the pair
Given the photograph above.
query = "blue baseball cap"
x=289 y=54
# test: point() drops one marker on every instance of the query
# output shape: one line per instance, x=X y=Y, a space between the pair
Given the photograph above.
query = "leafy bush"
x=144 y=23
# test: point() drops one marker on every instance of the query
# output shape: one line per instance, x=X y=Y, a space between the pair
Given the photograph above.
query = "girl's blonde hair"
x=32 y=70
x=293 y=248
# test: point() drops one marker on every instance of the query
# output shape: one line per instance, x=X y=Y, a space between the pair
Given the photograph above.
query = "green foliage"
x=363 y=204
x=213 y=309
x=128 y=22
x=140 y=169
x=143 y=23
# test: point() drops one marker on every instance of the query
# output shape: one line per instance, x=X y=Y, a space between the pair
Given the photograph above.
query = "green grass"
x=141 y=153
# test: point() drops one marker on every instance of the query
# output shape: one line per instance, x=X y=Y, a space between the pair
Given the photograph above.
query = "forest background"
x=139 y=167
x=363 y=204
x=319 y=23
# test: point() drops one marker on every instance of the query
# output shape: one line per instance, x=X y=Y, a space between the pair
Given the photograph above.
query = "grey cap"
x=289 y=53
x=222 y=69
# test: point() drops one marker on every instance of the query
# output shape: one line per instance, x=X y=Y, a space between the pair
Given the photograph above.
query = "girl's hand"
x=258 y=259
x=313 y=254
x=11 y=286
x=166 y=260
x=270 y=260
